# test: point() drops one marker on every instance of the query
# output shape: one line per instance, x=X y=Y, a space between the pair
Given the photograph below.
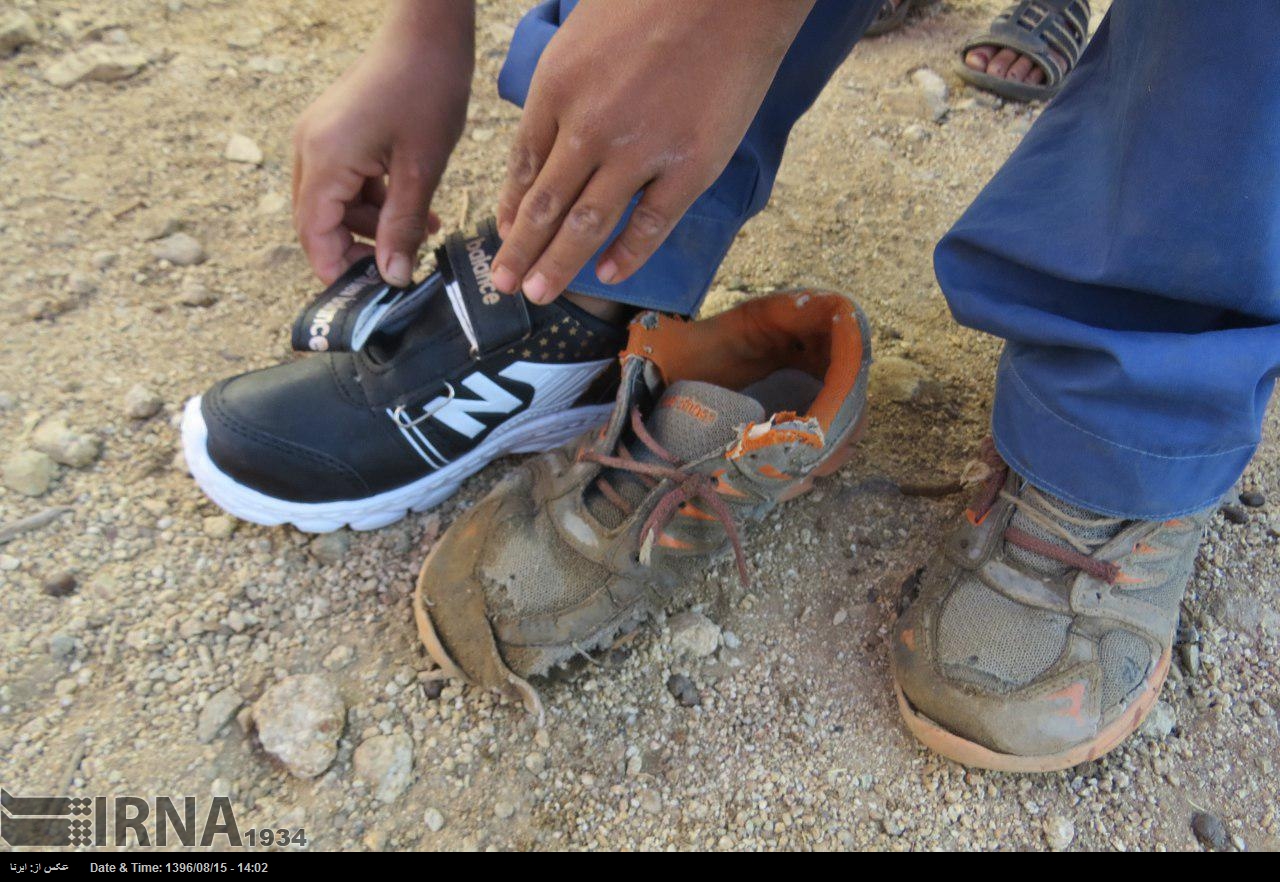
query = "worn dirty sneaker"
x=405 y=394
x=1042 y=632
x=715 y=423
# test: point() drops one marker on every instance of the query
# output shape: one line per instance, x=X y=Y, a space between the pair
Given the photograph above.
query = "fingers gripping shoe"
x=406 y=393
x=715 y=423
x=1041 y=634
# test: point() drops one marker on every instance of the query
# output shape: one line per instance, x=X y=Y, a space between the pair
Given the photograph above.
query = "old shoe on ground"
x=715 y=423
x=1042 y=631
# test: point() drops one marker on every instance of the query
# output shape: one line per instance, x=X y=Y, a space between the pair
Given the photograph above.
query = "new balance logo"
x=456 y=412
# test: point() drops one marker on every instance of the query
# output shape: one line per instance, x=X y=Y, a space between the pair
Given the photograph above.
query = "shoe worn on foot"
x=406 y=393
x=716 y=422
x=1042 y=632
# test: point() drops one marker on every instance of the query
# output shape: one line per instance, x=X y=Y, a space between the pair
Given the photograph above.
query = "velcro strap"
x=490 y=319
x=352 y=308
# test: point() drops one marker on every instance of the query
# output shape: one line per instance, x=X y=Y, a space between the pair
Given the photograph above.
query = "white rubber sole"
x=528 y=432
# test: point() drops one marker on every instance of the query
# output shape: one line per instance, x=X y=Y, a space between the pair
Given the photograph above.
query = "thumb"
x=403 y=220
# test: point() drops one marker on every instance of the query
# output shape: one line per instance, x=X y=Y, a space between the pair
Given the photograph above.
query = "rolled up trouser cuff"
x=1099 y=474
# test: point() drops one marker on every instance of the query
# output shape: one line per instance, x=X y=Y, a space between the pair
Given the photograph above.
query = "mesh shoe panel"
x=984 y=636
x=532 y=571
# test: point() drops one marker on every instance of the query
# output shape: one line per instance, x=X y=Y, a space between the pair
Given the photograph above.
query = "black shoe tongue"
x=693 y=419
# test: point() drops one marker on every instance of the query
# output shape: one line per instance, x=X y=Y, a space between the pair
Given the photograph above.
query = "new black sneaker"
x=408 y=392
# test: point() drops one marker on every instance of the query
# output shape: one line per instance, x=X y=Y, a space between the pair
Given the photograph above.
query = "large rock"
x=98 y=62
x=17 y=29
x=385 y=763
x=299 y=722
x=29 y=472
x=65 y=445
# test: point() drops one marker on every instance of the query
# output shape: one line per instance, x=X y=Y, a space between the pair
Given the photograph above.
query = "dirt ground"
x=121 y=618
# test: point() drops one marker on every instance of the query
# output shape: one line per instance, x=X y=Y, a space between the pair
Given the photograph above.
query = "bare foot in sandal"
x=1028 y=50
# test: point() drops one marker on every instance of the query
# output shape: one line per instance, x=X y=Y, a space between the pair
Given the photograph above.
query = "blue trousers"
x=1128 y=251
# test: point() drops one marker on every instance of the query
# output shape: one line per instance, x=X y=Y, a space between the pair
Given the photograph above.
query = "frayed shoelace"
x=1037 y=507
x=689 y=486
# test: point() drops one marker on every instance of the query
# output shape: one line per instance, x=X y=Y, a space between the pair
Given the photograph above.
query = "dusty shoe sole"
x=969 y=753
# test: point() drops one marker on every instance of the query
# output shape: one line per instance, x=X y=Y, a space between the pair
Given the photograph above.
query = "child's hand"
x=397 y=113
x=645 y=95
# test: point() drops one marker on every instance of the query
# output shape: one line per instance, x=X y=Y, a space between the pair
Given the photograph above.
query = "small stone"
x=193 y=293
x=60 y=585
x=433 y=819
x=81 y=284
x=386 y=763
x=503 y=810
x=1239 y=612
x=1235 y=514
x=933 y=89
x=1059 y=832
x=67 y=447
x=1210 y=830
x=1253 y=499
x=245 y=39
x=17 y=29
x=142 y=402
x=98 y=62
x=916 y=133
x=241 y=148
x=270 y=64
x=482 y=136
x=896 y=379
x=180 y=249
x=535 y=763
x=8 y=401
x=29 y=472
x=841 y=616
x=684 y=690
x=330 y=548
x=103 y=260
x=272 y=203
x=1160 y=722
x=219 y=526
x=217 y=712
x=339 y=657
x=694 y=634
x=62 y=646
x=650 y=801
x=299 y=721
x=1190 y=659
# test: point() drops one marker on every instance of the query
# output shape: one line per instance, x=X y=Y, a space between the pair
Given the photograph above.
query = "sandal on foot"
x=1036 y=29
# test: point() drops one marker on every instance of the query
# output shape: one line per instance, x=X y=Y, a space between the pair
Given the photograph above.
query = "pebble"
x=841 y=616
x=434 y=820
x=60 y=585
x=503 y=810
x=97 y=62
x=17 y=29
x=8 y=401
x=330 y=548
x=684 y=690
x=219 y=526
x=103 y=260
x=933 y=88
x=1160 y=722
x=299 y=721
x=180 y=249
x=339 y=657
x=29 y=472
x=241 y=148
x=1059 y=832
x=193 y=293
x=272 y=203
x=535 y=763
x=650 y=801
x=1253 y=499
x=217 y=712
x=66 y=446
x=1235 y=514
x=1210 y=830
x=386 y=763
x=142 y=402
x=62 y=646
x=694 y=634
x=896 y=379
